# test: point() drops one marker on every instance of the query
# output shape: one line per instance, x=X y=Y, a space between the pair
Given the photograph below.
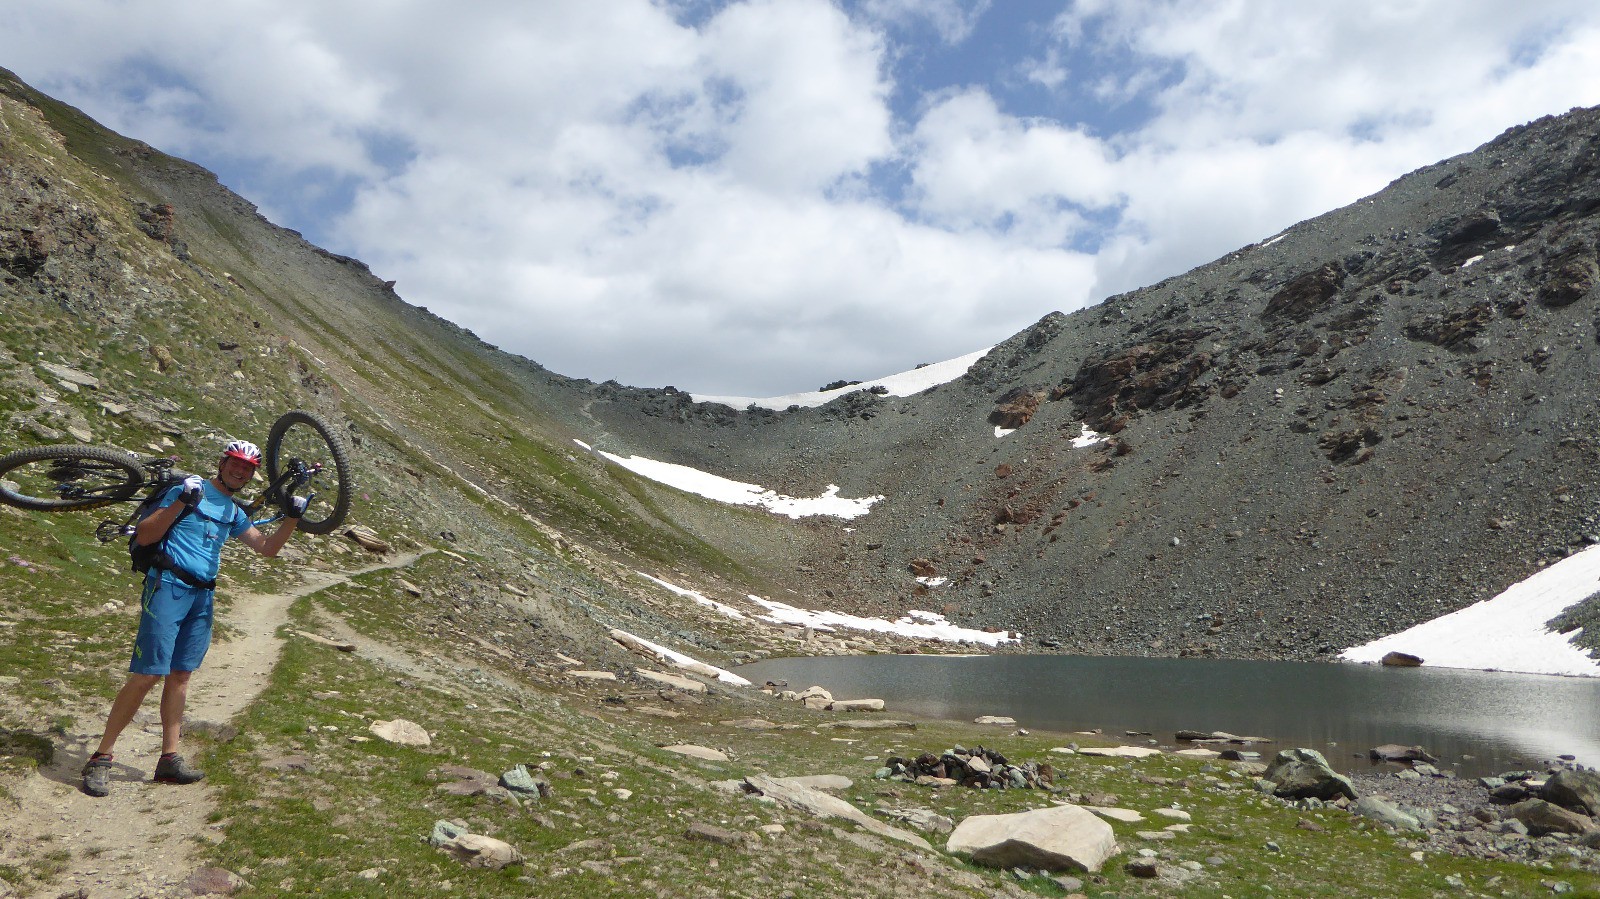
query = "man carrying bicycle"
x=190 y=523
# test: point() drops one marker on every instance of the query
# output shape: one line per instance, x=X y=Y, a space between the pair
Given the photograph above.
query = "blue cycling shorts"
x=174 y=627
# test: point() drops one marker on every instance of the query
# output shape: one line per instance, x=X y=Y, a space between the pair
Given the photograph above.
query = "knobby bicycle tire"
x=70 y=477
x=301 y=435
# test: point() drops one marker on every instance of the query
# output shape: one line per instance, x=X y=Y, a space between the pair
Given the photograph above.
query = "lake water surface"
x=1476 y=722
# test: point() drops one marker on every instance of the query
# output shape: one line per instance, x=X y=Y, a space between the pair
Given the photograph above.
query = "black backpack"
x=155 y=555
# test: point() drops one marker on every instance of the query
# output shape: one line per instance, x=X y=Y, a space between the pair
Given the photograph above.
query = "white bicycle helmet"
x=243 y=450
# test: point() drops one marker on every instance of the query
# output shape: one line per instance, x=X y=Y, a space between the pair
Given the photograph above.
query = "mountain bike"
x=301 y=454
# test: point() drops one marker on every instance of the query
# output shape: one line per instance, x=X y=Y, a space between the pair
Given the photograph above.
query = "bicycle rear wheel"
x=299 y=438
x=61 y=478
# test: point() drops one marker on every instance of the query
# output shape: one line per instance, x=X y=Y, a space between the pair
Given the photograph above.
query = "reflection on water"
x=1476 y=722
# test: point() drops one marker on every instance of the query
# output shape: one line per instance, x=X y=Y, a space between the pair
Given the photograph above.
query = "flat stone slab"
x=1120 y=752
x=71 y=375
x=697 y=752
x=856 y=705
x=676 y=682
x=592 y=675
x=1198 y=752
x=1000 y=720
x=820 y=804
x=1176 y=814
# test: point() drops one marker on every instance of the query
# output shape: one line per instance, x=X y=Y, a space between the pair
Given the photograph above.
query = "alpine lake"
x=1476 y=722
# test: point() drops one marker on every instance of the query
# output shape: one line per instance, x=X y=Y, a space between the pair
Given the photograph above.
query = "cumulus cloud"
x=735 y=196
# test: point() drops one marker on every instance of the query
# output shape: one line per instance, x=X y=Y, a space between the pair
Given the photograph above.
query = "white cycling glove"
x=193 y=489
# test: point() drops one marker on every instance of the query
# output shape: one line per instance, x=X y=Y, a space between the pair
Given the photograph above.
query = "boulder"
x=1578 y=791
x=401 y=731
x=478 y=851
x=856 y=705
x=1393 y=752
x=1385 y=812
x=1061 y=838
x=1001 y=720
x=1305 y=774
x=1401 y=660
x=1543 y=817
x=521 y=781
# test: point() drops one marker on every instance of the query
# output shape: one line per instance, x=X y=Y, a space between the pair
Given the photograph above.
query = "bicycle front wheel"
x=300 y=438
x=62 y=478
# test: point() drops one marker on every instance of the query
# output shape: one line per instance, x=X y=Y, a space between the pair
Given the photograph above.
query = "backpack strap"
x=163 y=561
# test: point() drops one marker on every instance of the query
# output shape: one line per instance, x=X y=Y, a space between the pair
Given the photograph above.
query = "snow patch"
x=738 y=493
x=688 y=663
x=1506 y=633
x=916 y=624
x=905 y=383
x=698 y=598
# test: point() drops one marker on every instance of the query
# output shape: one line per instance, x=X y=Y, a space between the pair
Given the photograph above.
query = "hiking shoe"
x=172 y=769
x=97 y=776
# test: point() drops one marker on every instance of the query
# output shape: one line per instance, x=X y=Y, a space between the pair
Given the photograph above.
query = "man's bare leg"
x=126 y=705
x=174 y=695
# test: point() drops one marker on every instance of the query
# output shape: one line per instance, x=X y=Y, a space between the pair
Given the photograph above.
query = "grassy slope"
x=428 y=411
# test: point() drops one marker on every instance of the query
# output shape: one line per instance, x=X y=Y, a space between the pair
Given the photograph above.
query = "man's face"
x=236 y=473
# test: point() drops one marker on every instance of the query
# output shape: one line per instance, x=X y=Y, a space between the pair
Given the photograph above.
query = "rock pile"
x=979 y=768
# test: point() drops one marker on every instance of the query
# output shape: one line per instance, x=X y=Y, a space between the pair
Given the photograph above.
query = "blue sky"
x=763 y=196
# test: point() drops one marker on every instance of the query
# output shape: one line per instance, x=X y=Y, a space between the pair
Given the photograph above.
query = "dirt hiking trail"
x=142 y=840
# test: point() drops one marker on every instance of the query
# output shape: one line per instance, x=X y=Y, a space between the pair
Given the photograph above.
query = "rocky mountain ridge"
x=1377 y=416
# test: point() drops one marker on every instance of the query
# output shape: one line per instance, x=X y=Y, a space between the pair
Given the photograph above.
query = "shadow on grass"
x=25 y=745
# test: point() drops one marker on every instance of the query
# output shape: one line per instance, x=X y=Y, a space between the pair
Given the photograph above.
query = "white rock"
x=995 y=719
x=1176 y=814
x=479 y=851
x=1061 y=838
x=406 y=733
x=856 y=705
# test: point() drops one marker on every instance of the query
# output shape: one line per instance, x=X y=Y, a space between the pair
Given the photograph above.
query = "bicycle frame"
x=296 y=474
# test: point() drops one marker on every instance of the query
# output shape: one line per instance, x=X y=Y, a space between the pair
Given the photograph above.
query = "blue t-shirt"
x=195 y=542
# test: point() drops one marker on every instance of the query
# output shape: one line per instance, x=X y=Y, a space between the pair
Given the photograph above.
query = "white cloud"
x=952 y=19
x=745 y=200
